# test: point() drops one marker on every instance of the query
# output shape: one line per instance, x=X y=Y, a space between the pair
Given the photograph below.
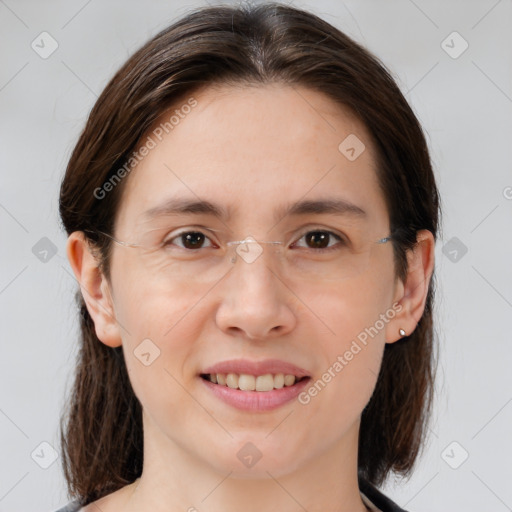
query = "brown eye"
x=320 y=240
x=189 y=240
x=192 y=240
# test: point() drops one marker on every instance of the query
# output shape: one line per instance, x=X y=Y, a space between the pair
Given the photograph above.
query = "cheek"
x=160 y=326
x=350 y=310
x=146 y=304
x=352 y=341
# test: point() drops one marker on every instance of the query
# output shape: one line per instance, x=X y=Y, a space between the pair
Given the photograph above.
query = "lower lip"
x=256 y=400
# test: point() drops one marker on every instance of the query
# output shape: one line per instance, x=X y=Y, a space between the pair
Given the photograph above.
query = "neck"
x=176 y=479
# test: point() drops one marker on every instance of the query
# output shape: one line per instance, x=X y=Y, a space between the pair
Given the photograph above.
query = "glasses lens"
x=341 y=261
x=191 y=257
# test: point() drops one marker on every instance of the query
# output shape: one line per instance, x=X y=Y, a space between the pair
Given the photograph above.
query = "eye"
x=189 y=240
x=319 y=240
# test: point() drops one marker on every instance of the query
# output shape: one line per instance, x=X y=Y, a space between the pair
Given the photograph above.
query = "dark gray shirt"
x=72 y=506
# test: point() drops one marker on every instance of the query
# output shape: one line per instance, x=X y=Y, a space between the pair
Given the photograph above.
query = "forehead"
x=254 y=150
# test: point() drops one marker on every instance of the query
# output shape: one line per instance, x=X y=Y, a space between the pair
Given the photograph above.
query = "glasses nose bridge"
x=250 y=249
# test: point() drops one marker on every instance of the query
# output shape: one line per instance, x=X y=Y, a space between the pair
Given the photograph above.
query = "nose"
x=256 y=303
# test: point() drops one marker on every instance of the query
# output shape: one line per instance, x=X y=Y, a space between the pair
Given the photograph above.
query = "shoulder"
x=108 y=503
x=377 y=498
x=72 y=506
x=105 y=504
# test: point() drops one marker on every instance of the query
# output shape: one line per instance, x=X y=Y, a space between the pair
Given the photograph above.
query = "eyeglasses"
x=324 y=256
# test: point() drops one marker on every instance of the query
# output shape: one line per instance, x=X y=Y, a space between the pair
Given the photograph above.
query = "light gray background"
x=465 y=106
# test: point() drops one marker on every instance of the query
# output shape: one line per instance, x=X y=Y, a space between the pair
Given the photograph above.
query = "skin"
x=243 y=147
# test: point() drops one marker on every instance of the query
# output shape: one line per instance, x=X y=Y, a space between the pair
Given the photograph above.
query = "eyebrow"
x=183 y=206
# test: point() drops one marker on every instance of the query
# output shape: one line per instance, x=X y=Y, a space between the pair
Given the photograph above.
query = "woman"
x=252 y=217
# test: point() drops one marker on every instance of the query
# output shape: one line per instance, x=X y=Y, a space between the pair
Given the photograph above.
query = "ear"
x=410 y=296
x=95 y=289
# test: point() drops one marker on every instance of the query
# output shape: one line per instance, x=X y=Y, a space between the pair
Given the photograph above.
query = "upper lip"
x=248 y=367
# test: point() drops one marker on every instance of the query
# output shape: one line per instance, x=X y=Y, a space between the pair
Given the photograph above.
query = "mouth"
x=257 y=383
x=255 y=386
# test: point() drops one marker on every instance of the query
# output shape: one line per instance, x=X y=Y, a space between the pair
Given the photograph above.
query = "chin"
x=255 y=456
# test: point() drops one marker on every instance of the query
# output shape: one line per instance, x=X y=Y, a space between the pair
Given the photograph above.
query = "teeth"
x=246 y=382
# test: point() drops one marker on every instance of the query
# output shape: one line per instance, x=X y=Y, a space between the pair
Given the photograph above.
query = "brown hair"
x=247 y=45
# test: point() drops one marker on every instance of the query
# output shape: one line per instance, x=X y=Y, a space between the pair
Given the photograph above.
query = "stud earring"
x=402 y=332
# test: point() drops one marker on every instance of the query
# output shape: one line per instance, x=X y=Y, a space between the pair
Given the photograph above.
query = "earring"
x=402 y=332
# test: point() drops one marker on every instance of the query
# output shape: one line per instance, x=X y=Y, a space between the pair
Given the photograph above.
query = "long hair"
x=247 y=45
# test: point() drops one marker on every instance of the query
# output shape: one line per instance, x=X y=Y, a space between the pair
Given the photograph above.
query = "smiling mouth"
x=246 y=382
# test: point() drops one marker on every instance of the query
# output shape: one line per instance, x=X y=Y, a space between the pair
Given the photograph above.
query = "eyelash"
x=340 y=238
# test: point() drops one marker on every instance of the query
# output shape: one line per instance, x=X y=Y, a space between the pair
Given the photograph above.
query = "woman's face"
x=254 y=152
